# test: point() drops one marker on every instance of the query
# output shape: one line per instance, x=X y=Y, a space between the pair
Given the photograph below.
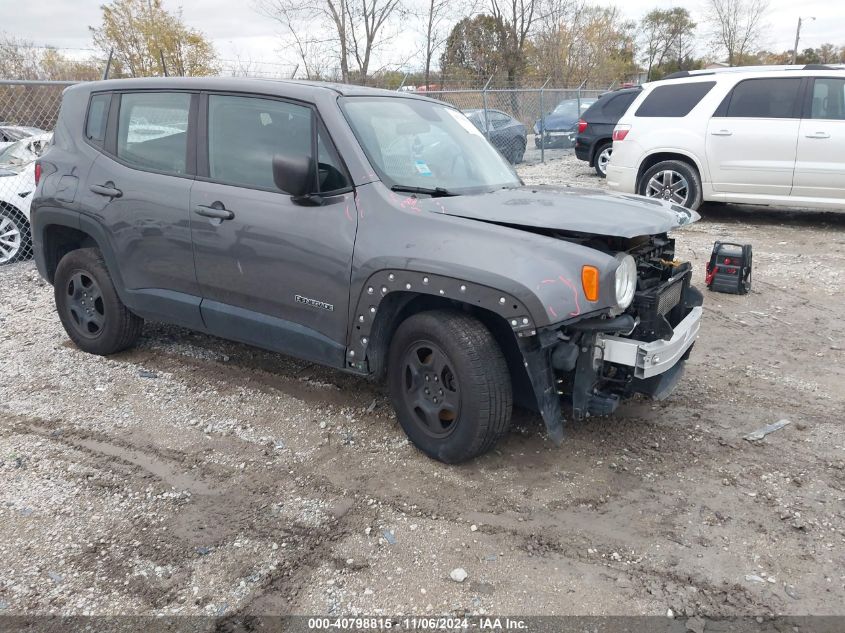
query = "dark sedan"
x=506 y=133
x=559 y=126
x=594 y=142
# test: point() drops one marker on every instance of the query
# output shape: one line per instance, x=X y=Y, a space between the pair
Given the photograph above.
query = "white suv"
x=760 y=135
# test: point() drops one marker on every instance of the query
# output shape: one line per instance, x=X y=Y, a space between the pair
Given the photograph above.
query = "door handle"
x=721 y=133
x=213 y=212
x=107 y=190
x=818 y=135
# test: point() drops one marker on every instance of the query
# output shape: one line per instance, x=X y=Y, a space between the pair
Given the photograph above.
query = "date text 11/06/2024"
x=418 y=623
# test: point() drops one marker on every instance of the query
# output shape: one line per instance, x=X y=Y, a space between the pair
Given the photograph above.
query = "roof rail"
x=681 y=74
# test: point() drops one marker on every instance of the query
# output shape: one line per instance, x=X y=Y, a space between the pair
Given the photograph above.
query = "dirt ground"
x=196 y=476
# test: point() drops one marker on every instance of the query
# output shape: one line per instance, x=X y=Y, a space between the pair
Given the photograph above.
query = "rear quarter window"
x=616 y=106
x=674 y=100
x=95 y=125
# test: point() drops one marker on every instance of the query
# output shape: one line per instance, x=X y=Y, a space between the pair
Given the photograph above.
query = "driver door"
x=273 y=272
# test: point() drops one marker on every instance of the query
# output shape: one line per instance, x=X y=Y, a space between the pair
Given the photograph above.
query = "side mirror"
x=295 y=175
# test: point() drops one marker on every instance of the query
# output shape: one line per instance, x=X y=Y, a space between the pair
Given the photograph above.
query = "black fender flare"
x=398 y=285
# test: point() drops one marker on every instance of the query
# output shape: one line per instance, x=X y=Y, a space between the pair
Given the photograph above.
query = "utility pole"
x=797 y=35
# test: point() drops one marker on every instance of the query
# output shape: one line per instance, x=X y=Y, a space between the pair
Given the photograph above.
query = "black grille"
x=654 y=306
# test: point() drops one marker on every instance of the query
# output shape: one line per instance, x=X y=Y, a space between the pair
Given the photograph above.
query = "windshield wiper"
x=436 y=192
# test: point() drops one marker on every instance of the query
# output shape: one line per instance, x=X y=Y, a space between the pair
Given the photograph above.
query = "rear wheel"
x=603 y=158
x=450 y=385
x=673 y=181
x=15 y=237
x=92 y=314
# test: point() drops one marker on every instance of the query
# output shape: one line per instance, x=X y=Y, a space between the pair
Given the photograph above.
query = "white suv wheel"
x=668 y=185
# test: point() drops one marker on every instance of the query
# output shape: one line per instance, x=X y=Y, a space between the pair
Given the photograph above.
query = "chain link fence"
x=28 y=113
x=528 y=125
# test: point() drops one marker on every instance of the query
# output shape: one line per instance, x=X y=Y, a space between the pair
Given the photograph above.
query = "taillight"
x=37 y=171
x=582 y=125
x=620 y=133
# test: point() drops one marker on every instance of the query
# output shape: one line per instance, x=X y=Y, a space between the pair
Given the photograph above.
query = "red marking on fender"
x=552 y=311
x=360 y=210
x=574 y=294
x=348 y=216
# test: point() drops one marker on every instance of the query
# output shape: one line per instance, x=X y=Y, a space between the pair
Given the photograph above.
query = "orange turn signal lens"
x=590 y=282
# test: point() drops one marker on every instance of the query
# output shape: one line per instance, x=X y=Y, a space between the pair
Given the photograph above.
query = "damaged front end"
x=587 y=366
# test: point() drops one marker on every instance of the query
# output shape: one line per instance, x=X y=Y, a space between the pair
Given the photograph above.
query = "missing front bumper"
x=655 y=357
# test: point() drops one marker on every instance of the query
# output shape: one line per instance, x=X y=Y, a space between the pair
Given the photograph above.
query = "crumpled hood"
x=569 y=209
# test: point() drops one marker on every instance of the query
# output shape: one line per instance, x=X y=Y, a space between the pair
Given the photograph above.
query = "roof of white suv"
x=808 y=69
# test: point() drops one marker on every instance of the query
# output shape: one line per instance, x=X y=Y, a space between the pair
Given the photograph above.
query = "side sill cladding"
x=385 y=282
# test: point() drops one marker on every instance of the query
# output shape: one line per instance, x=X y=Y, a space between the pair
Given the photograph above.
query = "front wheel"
x=673 y=181
x=450 y=385
x=15 y=237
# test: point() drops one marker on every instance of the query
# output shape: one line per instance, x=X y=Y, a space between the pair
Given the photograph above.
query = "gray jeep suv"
x=375 y=232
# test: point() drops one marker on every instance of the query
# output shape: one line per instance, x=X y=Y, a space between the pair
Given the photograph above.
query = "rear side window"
x=828 y=99
x=765 y=99
x=674 y=100
x=95 y=126
x=616 y=106
x=152 y=131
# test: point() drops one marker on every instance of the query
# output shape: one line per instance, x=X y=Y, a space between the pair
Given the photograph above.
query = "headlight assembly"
x=626 y=280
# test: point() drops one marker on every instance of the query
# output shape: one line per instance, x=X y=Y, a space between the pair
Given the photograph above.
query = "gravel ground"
x=196 y=476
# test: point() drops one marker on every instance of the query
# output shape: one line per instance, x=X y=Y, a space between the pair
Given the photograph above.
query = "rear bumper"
x=649 y=359
x=582 y=149
x=621 y=178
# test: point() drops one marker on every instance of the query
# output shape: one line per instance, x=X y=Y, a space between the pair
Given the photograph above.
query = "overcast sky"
x=236 y=29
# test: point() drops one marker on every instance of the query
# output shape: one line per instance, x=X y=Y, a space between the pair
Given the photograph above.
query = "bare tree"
x=435 y=15
x=350 y=32
x=736 y=26
x=518 y=18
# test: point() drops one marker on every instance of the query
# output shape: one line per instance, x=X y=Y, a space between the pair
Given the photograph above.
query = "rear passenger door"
x=751 y=139
x=139 y=189
x=820 y=164
x=273 y=272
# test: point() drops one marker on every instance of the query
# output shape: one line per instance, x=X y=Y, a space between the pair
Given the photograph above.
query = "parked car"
x=506 y=133
x=11 y=133
x=17 y=186
x=375 y=232
x=560 y=126
x=594 y=142
x=758 y=135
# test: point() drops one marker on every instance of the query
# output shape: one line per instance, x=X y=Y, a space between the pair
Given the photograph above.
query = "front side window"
x=416 y=143
x=674 y=100
x=152 y=131
x=765 y=99
x=245 y=133
x=828 y=99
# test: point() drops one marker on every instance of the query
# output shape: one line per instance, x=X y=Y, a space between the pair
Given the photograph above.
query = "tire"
x=92 y=314
x=655 y=183
x=517 y=151
x=456 y=360
x=603 y=153
x=15 y=236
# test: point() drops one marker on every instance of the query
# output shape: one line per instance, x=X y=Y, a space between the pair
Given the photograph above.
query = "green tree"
x=667 y=39
x=142 y=32
x=476 y=47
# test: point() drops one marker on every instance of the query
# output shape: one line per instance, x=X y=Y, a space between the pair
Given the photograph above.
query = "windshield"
x=415 y=143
